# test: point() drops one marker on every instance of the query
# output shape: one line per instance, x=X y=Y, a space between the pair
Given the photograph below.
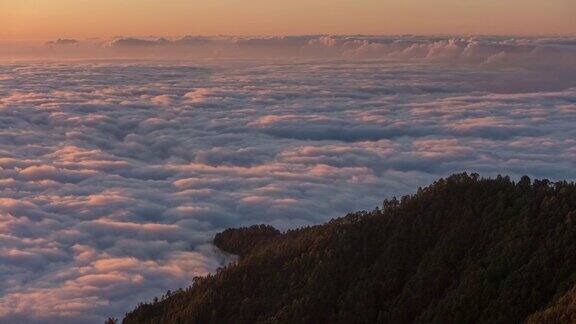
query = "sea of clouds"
x=116 y=173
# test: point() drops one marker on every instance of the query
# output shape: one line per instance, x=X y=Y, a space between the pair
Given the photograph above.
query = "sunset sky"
x=42 y=19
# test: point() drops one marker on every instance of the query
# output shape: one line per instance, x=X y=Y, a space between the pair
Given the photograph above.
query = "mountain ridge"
x=464 y=249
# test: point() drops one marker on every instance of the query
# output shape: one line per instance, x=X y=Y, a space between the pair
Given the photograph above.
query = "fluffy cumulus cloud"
x=495 y=51
x=115 y=175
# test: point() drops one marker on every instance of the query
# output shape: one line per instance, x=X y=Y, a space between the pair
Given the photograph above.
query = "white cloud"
x=114 y=175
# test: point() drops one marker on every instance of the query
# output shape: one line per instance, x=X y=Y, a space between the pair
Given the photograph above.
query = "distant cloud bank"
x=489 y=51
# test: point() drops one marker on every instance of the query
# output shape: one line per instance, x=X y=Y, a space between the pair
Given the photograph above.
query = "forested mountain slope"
x=463 y=250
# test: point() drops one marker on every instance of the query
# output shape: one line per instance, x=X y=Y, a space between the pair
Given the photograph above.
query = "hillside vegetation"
x=463 y=250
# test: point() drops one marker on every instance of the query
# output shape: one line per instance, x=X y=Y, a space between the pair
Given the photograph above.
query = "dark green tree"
x=111 y=320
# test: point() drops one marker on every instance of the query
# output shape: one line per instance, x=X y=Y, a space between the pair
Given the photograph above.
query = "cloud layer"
x=114 y=175
x=491 y=52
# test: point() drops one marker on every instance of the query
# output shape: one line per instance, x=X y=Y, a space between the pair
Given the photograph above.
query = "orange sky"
x=43 y=19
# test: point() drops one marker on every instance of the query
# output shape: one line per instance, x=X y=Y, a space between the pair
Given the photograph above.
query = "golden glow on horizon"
x=43 y=19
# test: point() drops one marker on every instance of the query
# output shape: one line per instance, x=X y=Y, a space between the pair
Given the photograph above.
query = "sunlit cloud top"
x=44 y=19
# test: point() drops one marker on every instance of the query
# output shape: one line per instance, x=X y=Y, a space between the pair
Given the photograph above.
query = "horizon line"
x=298 y=35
